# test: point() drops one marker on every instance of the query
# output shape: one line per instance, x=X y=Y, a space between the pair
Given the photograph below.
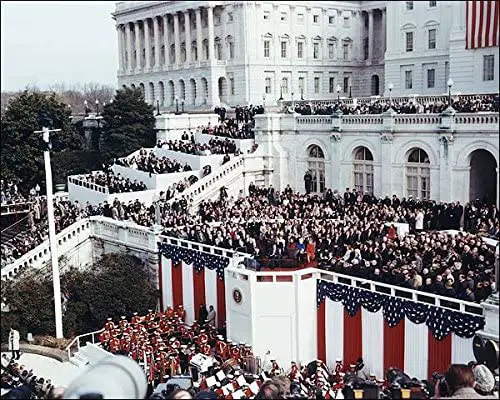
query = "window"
x=283 y=49
x=432 y=39
x=218 y=50
x=331 y=51
x=284 y=85
x=267 y=45
x=267 y=15
x=365 y=48
x=432 y=3
x=316 y=51
x=231 y=50
x=331 y=85
x=316 y=85
x=431 y=78
x=316 y=166
x=230 y=17
x=488 y=67
x=284 y=16
x=408 y=80
x=316 y=18
x=345 y=47
x=409 y=41
x=300 y=18
x=300 y=49
x=363 y=170
x=331 y=20
x=268 y=86
x=409 y=5
x=418 y=174
x=346 y=22
x=346 y=84
x=216 y=19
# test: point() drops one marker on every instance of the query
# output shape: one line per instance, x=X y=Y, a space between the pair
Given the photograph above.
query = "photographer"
x=460 y=382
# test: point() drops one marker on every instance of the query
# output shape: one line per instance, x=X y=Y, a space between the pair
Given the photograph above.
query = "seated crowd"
x=10 y=193
x=490 y=104
x=149 y=162
x=115 y=183
x=215 y=146
x=23 y=383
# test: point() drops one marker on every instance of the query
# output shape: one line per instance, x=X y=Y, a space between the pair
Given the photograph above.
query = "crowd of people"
x=116 y=183
x=149 y=162
x=461 y=105
x=10 y=193
x=215 y=146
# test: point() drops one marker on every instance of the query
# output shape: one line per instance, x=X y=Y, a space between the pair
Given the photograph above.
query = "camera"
x=443 y=385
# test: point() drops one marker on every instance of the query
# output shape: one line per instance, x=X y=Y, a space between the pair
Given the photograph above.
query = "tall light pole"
x=450 y=84
x=338 y=93
x=264 y=102
x=86 y=105
x=97 y=107
x=52 y=232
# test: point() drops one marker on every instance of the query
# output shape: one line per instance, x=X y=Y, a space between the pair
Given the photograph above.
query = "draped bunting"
x=440 y=321
x=198 y=259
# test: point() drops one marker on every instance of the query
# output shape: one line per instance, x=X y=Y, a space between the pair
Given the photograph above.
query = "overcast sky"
x=51 y=42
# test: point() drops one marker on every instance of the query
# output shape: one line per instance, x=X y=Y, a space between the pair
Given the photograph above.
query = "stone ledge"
x=56 y=354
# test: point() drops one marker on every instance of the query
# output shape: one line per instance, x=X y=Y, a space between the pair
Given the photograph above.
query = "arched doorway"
x=483 y=177
x=222 y=89
x=316 y=166
x=151 y=94
x=375 y=85
x=143 y=90
x=182 y=90
x=192 y=91
x=418 y=174
x=133 y=86
x=161 y=93
x=204 y=90
x=171 y=93
x=363 y=170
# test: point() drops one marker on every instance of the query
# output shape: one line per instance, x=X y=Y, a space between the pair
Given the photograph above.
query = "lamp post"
x=70 y=114
x=176 y=105
x=350 y=92
x=182 y=105
x=52 y=232
x=157 y=106
x=293 y=106
x=281 y=94
x=86 y=105
x=111 y=100
x=338 y=93
x=301 y=93
x=390 y=87
x=97 y=107
x=264 y=102
x=450 y=84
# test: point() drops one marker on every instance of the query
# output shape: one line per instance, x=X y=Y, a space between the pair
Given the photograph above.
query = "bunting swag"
x=198 y=259
x=441 y=322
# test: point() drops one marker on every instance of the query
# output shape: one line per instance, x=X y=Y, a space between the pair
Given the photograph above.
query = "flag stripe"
x=439 y=356
x=353 y=340
x=461 y=350
x=372 y=339
x=335 y=332
x=166 y=278
x=188 y=292
x=160 y=282
x=416 y=349
x=177 y=296
x=488 y=23
x=473 y=22
x=198 y=291
x=321 y=339
x=481 y=24
x=467 y=27
x=495 y=23
x=211 y=289
x=221 y=301
x=394 y=345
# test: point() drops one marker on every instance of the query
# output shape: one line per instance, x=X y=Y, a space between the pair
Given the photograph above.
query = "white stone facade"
x=259 y=52
x=373 y=153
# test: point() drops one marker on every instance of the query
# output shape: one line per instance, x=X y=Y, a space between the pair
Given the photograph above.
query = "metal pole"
x=52 y=234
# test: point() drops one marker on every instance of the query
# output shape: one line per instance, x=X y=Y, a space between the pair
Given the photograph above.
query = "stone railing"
x=15 y=208
x=80 y=181
x=67 y=239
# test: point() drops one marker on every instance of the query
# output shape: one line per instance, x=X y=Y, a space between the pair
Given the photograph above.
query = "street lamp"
x=292 y=101
x=86 y=104
x=182 y=105
x=338 y=93
x=176 y=105
x=96 y=107
x=264 y=102
x=450 y=84
x=301 y=93
x=111 y=100
x=281 y=94
x=157 y=106
x=390 y=86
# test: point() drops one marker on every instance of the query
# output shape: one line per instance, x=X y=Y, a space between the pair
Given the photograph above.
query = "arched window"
x=418 y=174
x=363 y=170
x=375 y=85
x=316 y=165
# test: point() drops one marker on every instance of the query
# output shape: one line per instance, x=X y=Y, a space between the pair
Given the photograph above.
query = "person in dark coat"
x=308 y=181
x=202 y=314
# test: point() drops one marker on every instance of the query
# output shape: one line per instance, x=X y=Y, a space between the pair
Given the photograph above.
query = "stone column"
x=361 y=47
x=370 y=36
x=199 y=35
x=138 y=51
x=187 y=24
x=156 y=32
x=177 y=40
x=210 y=12
x=119 y=31
x=128 y=33
x=384 y=32
x=166 y=44
x=147 y=43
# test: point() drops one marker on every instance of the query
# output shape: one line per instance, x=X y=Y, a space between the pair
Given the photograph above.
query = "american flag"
x=440 y=321
x=482 y=28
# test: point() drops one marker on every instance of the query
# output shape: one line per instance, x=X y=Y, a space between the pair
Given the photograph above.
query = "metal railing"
x=76 y=342
x=15 y=229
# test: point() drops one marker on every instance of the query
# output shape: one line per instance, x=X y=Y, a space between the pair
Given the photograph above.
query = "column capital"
x=370 y=11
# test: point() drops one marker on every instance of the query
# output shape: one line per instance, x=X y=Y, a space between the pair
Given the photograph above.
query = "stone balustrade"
x=15 y=208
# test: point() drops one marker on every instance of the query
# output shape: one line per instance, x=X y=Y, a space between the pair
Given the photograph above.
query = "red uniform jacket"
x=104 y=337
x=221 y=349
x=109 y=326
x=205 y=349
x=235 y=353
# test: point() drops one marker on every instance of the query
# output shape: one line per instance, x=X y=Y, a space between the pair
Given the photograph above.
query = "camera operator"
x=460 y=381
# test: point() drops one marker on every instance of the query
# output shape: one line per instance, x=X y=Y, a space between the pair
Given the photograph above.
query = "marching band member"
x=109 y=326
